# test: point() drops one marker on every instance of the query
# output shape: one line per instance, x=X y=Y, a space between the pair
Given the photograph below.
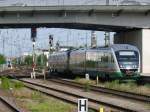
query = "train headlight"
x=121 y=66
x=134 y=66
x=127 y=68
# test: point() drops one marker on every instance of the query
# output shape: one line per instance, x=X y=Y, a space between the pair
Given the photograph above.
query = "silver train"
x=118 y=61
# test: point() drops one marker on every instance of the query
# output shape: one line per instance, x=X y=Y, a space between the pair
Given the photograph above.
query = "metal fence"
x=71 y=2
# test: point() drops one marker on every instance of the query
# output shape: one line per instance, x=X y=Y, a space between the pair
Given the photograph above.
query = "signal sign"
x=82 y=105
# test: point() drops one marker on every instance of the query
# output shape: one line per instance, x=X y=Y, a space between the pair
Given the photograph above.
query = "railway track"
x=145 y=79
x=133 y=96
x=10 y=106
x=62 y=95
x=93 y=102
x=129 y=95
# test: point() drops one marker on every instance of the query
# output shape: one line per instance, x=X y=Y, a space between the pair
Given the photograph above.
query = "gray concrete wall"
x=146 y=50
x=141 y=39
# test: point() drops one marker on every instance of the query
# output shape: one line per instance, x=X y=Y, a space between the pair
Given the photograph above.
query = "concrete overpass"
x=112 y=18
x=131 y=23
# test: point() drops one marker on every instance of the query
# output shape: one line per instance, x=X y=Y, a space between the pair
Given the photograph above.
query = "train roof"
x=117 y=47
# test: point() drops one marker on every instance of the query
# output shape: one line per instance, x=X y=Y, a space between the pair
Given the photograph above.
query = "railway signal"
x=33 y=34
x=33 y=38
x=51 y=40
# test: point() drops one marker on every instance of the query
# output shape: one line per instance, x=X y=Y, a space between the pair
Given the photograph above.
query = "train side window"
x=112 y=58
x=104 y=57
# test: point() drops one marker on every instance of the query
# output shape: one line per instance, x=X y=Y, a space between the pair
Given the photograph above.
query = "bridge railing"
x=71 y=2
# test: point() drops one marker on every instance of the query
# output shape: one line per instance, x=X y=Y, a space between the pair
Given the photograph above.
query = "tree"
x=28 y=60
x=41 y=60
x=2 y=59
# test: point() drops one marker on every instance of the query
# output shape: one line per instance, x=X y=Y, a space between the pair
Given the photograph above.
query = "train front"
x=128 y=63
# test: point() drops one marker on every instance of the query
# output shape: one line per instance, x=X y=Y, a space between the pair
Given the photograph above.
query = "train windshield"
x=127 y=56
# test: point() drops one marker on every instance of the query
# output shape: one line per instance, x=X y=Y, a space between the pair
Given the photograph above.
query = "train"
x=117 y=61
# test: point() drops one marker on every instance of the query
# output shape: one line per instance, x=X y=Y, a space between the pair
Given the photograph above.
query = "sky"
x=14 y=42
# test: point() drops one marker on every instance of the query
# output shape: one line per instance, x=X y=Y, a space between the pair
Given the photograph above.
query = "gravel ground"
x=4 y=108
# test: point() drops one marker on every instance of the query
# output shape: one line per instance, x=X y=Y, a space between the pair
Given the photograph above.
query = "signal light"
x=51 y=40
x=33 y=33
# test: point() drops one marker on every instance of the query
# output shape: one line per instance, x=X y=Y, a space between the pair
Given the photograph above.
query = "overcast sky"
x=17 y=41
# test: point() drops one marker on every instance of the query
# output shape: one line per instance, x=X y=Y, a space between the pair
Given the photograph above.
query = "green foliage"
x=40 y=103
x=90 y=110
x=18 y=85
x=49 y=105
x=36 y=95
x=41 y=60
x=5 y=83
x=147 y=85
x=87 y=86
x=2 y=59
x=112 y=84
x=28 y=60
x=77 y=79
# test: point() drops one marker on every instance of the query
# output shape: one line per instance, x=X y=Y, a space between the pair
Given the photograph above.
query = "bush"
x=28 y=60
x=18 y=85
x=77 y=79
x=87 y=86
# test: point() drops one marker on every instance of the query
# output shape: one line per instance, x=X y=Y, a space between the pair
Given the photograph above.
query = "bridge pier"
x=141 y=39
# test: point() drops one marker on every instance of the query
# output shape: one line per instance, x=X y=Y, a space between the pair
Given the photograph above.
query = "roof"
x=117 y=47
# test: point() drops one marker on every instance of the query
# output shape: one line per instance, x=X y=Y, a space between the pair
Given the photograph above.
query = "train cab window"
x=127 y=56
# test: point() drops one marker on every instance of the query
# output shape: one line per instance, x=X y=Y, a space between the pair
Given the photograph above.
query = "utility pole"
x=86 y=40
x=107 y=2
x=3 y=45
x=117 y=2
